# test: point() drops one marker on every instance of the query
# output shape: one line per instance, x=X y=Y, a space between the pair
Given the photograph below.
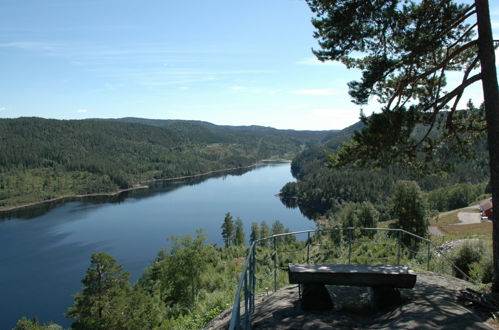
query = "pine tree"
x=104 y=301
x=228 y=230
x=255 y=232
x=264 y=232
x=411 y=210
x=239 y=233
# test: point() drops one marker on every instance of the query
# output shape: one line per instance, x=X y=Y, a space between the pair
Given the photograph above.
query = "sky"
x=229 y=62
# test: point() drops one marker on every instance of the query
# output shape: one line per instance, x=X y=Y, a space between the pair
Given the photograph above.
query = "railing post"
x=308 y=247
x=399 y=233
x=428 y=258
x=350 y=245
x=275 y=264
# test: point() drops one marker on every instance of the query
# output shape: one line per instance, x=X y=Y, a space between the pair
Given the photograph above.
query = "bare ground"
x=432 y=304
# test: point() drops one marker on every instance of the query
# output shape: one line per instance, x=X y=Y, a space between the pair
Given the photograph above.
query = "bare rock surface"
x=432 y=304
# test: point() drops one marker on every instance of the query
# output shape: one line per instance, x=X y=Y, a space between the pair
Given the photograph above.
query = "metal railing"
x=403 y=240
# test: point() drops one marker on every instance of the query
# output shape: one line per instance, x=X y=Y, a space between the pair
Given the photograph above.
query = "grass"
x=483 y=228
x=447 y=218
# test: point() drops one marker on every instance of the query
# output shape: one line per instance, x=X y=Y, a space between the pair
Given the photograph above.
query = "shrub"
x=466 y=258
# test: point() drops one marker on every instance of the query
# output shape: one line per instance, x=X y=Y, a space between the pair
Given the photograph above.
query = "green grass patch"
x=483 y=228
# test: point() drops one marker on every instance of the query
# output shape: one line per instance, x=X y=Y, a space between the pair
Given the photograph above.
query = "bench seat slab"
x=396 y=276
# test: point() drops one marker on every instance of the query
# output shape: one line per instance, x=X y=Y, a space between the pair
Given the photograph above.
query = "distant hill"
x=45 y=158
x=313 y=136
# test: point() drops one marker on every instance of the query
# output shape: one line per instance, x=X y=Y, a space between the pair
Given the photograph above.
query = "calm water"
x=45 y=251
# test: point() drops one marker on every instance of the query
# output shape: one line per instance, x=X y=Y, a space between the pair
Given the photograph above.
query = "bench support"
x=384 y=296
x=315 y=297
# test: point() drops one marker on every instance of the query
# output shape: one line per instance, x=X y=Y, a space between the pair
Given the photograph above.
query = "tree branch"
x=465 y=76
x=404 y=83
x=466 y=15
x=447 y=97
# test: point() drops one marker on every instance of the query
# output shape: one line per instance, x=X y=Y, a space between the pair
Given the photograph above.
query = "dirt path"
x=466 y=218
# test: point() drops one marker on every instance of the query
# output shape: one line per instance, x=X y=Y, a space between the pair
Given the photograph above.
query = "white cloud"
x=320 y=91
x=81 y=110
x=3 y=108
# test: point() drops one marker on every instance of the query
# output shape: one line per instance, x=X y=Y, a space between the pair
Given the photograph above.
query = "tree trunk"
x=491 y=101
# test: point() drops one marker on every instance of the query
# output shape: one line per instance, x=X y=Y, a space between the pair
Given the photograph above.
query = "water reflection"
x=155 y=188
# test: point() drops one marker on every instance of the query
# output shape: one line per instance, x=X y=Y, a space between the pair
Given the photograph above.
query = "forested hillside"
x=321 y=190
x=41 y=159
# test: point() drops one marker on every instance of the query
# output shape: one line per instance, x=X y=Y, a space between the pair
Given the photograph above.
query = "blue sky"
x=227 y=62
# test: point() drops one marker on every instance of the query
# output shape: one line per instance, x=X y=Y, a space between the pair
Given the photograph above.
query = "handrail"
x=247 y=279
x=236 y=309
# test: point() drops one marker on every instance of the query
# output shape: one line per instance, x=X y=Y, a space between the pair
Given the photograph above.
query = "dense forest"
x=321 y=190
x=42 y=159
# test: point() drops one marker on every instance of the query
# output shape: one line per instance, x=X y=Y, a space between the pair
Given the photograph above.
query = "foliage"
x=105 y=296
x=264 y=230
x=239 y=233
x=25 y=324
x=455 y=197
x=179 y=289
x=255 y=232
x=410 y=208
x=360 y=215
x=468 y=259
x=228 y=230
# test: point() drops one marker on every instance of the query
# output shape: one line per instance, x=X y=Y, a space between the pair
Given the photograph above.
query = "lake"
x=46 y=250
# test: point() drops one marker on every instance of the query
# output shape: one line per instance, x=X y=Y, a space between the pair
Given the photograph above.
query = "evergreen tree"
x=255 y=232
x=228 y=230
x=264 y=232
x=347 y=216
x=410 y=209
x=277 y=228
x=368 y=215
x=104 y=301
x=239 y=233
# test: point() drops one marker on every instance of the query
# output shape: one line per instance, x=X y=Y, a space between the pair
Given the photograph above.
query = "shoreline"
x=141 y=185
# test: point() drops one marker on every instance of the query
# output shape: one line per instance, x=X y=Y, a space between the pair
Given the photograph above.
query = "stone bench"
x=384 y=281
